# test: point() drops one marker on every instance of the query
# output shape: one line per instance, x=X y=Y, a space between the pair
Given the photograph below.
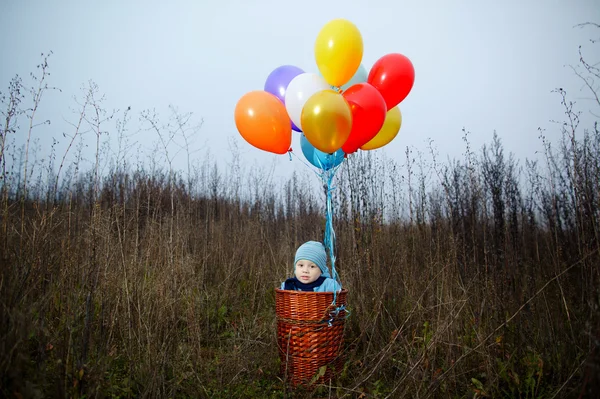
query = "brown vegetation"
x=477 y=277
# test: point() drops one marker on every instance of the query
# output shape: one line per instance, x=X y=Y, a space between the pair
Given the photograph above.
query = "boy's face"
x=306 y=271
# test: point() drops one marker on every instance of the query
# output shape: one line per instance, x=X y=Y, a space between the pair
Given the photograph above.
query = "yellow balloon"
x=326 y=120
x=338 y=51
x=389 y=130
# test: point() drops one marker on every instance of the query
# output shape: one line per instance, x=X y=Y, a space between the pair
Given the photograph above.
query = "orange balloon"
x=262 y=120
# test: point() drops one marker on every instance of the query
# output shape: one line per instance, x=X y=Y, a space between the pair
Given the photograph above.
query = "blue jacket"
x=329 y=285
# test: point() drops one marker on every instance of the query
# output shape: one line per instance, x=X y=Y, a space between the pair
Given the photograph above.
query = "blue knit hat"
x=313 y=251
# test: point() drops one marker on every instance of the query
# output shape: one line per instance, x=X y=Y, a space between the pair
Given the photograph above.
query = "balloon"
x=279 y=80
x=318 y=158
x=393 y=75
x=326 y=120
x=338 y=51
x=360 y=76
x=261 y=119
x=299 y=91
x=368 y=115
x=389 y=130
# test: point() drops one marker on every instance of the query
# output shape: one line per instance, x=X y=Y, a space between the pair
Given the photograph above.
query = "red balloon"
x=368 y=114
x=393 y=75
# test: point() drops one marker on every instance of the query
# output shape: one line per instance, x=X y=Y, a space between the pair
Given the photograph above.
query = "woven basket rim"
x=344 y=290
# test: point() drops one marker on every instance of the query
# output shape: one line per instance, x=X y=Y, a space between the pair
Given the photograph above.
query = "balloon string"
x=307 y=165
x=337 y=89
x=326 y=177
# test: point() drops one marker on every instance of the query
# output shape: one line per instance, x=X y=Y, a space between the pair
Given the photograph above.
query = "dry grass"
x=476 y=278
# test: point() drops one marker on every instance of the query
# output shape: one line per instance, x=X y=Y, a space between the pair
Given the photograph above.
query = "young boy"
x=310 y=270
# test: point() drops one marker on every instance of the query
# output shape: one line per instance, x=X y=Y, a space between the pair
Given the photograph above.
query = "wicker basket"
x=309 y=335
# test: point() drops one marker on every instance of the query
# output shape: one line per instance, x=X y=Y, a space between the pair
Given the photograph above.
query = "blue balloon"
x=318 y=158
x=360 y=76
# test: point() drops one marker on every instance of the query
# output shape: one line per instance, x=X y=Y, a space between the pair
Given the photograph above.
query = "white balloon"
x=300 y=89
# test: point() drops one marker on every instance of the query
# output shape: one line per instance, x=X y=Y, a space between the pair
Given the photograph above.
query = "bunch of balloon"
x=342 y=107
x=372 y=98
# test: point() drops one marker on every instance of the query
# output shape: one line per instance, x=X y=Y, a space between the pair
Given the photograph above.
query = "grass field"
x=121 y=277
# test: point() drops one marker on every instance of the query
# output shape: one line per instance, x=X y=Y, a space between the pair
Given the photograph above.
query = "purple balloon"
x=296 y=128
x=278 y=81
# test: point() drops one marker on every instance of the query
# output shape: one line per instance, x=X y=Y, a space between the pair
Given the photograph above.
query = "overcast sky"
x=479 y=64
